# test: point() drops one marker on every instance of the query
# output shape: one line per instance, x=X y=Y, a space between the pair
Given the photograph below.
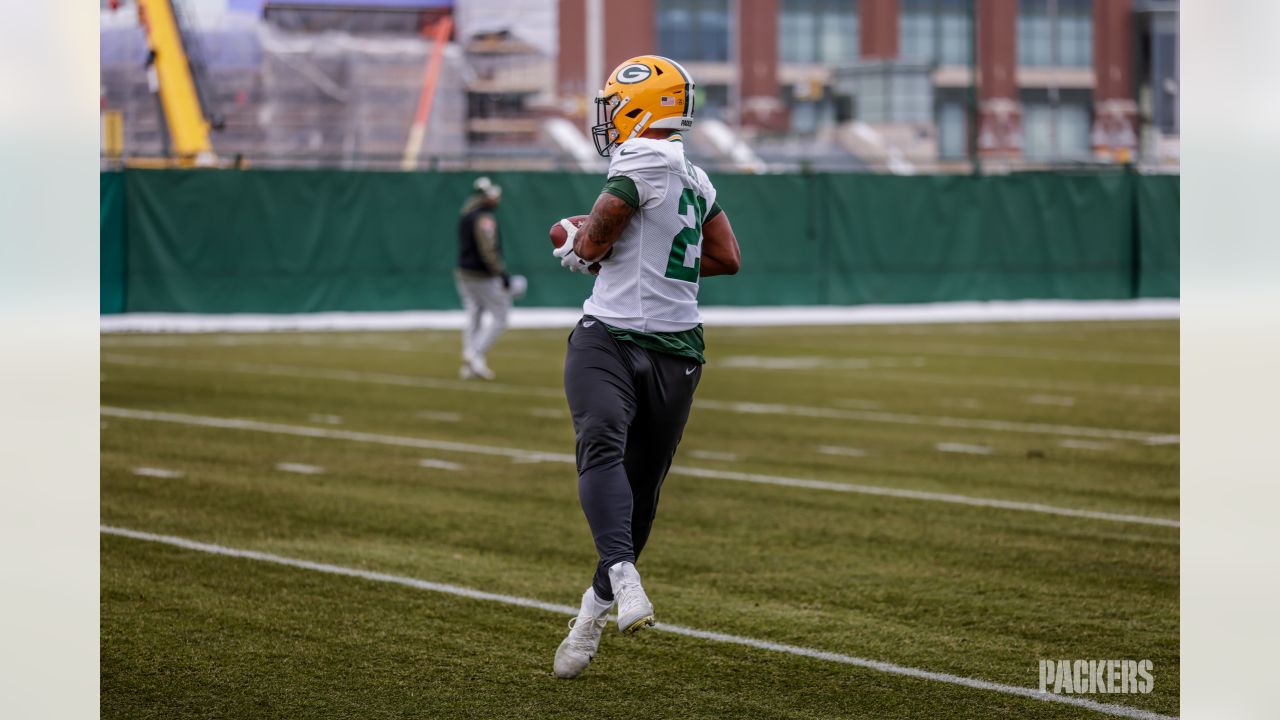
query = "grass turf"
x=977 y=592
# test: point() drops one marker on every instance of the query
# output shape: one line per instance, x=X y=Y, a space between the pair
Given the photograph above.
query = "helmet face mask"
x=643 y=93
x=603 y=132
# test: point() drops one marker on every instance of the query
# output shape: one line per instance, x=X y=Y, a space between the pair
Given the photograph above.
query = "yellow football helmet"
x=648 y=91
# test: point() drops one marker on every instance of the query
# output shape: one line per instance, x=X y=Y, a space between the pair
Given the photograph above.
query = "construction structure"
x=900 y=86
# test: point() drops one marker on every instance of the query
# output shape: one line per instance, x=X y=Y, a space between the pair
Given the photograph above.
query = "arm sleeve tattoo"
x=609 y=217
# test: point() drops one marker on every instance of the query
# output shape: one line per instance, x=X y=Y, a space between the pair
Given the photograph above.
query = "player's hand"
x=568 y=258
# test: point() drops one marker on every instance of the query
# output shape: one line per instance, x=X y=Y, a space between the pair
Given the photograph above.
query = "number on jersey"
x=685 y=261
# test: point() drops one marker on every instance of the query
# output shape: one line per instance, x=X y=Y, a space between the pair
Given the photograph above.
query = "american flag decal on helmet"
x=667 y=100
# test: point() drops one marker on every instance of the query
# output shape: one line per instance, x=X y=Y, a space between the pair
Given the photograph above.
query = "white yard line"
x=291 y=340
x=443 y=342
x=859 y=404
x=157 y=472
x=300 y=468
x=841 y=451
x=1155 y=392
x=713 y=455
x=734 y=407
x=535 y=456
x=297 y=371
x=1052 y=400
x=1075 y=444
x=1008 y=353
x=438 y=416
x=876 y=416
x=962 y=403
x=435 y=464
x=566 y=610
x=963 y=449
x=549 y=413
x=1049 y=327
x=812 y=362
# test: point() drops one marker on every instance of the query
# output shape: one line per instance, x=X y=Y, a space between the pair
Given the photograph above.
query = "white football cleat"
x=475 y=367
x=577 y=649
x=634 y=609
x=481 y=368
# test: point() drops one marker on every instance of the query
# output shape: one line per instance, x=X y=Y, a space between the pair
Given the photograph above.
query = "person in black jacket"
x=483 y=282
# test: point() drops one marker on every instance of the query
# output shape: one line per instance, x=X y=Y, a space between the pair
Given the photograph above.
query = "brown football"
x=558 y=236
x=557 y=233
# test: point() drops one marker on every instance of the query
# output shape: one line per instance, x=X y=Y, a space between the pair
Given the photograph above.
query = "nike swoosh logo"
x=624 y=152
x=588 y=323
x=690 y=370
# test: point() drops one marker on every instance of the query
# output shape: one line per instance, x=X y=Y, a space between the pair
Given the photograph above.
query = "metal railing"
x=517 y=161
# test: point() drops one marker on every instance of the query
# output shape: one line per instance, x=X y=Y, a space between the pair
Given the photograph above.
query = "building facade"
x=1050 y=81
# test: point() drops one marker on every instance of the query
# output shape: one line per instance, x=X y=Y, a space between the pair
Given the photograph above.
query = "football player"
x=636 y=356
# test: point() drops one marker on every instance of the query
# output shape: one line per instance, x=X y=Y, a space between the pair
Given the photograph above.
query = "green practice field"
x=962 y=500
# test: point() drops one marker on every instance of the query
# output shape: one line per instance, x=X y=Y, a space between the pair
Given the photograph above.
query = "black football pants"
x=629 y=406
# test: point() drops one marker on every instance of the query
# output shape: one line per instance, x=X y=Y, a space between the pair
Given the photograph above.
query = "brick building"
x=1057 y=80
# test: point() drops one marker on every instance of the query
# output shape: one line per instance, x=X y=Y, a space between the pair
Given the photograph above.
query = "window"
x=890 y=94
x=1164 y=74
x=818 y=31
x=808 y=113
x=1074 y=36
x=711 y=100
x=953 y=124
x=691 y=30
x=935 y=31
x=1060 y=133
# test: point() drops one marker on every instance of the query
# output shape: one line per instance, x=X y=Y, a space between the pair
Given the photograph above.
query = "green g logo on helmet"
x=634 y=73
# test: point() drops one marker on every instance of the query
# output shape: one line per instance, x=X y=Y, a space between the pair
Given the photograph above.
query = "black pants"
x=629 y=405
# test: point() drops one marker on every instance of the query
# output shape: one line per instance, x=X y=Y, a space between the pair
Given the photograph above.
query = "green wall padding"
x=939 y=238
x=781 y=252
x=1158 y=235
x=111 y=242
x=308 y=241
x=311 y=241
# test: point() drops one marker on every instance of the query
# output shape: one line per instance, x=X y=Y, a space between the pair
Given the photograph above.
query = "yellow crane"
x=179 y=97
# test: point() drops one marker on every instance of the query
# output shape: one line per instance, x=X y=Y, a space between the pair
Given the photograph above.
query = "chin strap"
x=639 y=128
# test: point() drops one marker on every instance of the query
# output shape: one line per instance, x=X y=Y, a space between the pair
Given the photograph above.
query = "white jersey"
x=650 y=283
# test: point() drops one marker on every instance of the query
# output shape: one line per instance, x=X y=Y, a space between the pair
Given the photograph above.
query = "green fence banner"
x=926 y=239
x=111 y=241
x=275 y=241
x=1158 y=236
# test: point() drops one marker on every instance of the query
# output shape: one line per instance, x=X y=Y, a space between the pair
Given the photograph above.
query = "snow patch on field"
x=957 y=312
